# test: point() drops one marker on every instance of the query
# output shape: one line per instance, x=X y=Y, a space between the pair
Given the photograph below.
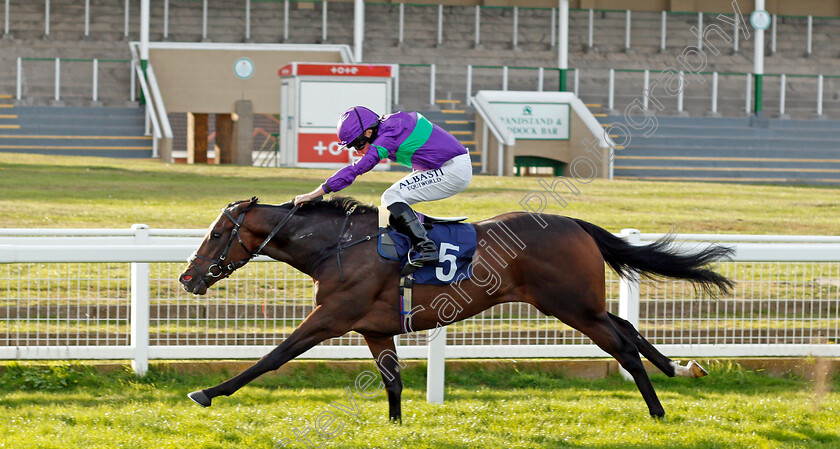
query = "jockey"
x=440 y=163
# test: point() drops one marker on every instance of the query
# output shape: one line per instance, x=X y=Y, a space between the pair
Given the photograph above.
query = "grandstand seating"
x=729 y=149
x=226 y=24
x=75 y=131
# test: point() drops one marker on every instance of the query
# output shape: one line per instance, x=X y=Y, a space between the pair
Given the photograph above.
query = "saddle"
x=456 y=242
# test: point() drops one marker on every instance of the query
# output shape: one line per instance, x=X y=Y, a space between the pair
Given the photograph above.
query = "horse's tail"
x=660 y=258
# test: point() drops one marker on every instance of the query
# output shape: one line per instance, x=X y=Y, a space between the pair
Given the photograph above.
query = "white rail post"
x=627 y=30
x=782 y=94
x=46 y=17
x=19 y=77
x=714 y=92
x=645 y=93
x=680 y=94
x=749 y=93
x=432 y=86
x=436 y=368
x=505 y=78
x=699 y=30
x=477 y=25
x=57 y=79
x=440 y=25
x=87 y=18
x=401 y=33
x=500 y=158
x=469 y=85
x=628 y=292
x=6 y=19
x=819 y=96
x=736 y=32
x=285 y=20
x=484 y=151
x=591 y=35
x=810 y=35
x=515 y=26
x=248 y=19
x=540 y=79
x=773 y=36
x=204 y=20
x=132 y=86
x=95 y=88
x=663 y=31
x=396 y=69
x=140 y=306
x=148 y=124
x=553 y=27
x=358 y=30
x=611 y=91
x=165 y=19
x=324 y=21
x=127 y=9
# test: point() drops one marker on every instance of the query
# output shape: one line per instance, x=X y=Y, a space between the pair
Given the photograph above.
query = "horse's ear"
x=254 y=200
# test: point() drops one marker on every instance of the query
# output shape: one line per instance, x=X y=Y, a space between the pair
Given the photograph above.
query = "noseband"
x=216 y=268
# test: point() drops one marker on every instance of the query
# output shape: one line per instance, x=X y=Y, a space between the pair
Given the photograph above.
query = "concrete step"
x=106 y=132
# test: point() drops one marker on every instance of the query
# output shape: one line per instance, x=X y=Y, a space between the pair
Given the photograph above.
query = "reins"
x=227 y=270
x=340 y=248
x=233 y=266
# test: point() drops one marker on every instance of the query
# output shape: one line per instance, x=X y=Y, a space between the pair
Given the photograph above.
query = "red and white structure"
x=314 y=95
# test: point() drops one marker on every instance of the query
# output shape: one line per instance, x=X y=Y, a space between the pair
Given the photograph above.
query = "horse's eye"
x=215 y=235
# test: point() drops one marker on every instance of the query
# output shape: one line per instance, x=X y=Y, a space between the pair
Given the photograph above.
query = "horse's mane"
x=344 y=203
x=336 y=203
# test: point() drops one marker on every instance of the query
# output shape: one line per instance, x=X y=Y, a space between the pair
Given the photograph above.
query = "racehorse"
x=554 y=263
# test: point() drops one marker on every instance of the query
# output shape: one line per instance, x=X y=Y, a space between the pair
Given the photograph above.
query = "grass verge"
x=71 y=406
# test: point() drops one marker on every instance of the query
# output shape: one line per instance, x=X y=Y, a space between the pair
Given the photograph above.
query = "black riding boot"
x=405 y=221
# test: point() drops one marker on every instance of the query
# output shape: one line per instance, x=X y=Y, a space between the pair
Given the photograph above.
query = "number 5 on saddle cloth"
x=456 y=244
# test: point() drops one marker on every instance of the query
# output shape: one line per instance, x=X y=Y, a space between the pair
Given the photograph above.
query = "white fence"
x=114 y=294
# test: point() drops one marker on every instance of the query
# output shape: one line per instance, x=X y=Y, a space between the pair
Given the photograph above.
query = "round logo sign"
x=760 y=19
x=243 y=68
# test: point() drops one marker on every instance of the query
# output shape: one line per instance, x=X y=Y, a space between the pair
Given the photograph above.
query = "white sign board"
x=534 y=121
x=327 y=100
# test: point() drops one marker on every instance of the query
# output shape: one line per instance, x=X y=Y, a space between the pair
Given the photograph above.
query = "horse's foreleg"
x=385 y=353
x=317 y=327
x=670 y=367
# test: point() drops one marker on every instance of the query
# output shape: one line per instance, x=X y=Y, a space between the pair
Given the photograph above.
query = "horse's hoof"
x=696 y=369
x=199 y=398
x=396 y=420
x=658 y=415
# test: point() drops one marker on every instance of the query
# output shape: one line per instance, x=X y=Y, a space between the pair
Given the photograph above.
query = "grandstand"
x=61 y=59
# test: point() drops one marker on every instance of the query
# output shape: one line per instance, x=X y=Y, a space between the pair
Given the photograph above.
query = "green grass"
x=54 y=191
x=61 y=406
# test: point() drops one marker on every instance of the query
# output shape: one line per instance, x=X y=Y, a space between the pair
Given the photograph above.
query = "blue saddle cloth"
x=456 y=245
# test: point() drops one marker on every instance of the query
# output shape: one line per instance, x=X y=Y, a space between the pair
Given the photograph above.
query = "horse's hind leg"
x=320 y=325
x=666 y=365
x=601 y=330
x=385 y=353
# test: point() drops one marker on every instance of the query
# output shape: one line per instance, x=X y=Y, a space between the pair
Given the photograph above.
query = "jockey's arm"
x=345 y=176
x=310 y=196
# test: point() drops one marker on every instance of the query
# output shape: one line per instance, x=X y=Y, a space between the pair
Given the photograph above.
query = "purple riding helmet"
x=353 y=123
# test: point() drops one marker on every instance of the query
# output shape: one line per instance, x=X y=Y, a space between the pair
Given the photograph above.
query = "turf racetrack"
x=73 y=407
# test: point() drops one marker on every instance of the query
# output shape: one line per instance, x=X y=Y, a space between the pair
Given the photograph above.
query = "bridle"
x=217 y=269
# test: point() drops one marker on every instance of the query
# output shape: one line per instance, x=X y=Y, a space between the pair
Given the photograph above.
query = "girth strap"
x=406 y=290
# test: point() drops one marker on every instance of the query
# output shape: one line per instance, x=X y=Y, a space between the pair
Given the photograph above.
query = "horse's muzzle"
x=193 y=284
